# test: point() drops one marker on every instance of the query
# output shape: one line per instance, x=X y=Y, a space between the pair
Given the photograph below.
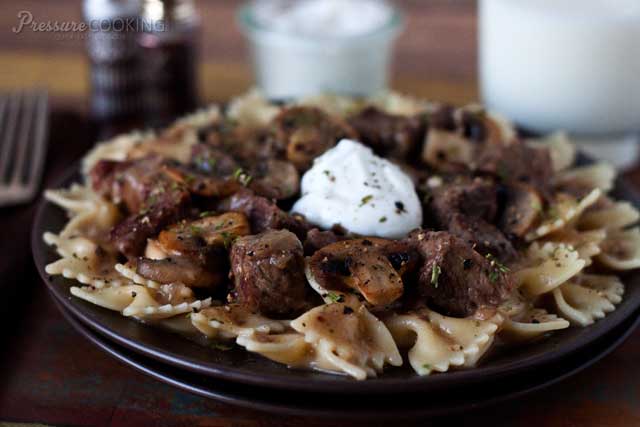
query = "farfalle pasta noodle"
x=438 y=342
x=91 y=215
x=563 y=152
x=289 y=348
x=231 y=321
x=348 y=339
x=564 y=211
x=137 y=301
x=252 y=109
x=126 y=271
x=548 y=266
x=616 y=215
x=621 y=249
x=588 y=297
x=585 y=243
x=530 y=324
x=598 y=175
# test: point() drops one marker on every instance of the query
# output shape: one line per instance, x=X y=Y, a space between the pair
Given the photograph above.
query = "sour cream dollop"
x=368 y=195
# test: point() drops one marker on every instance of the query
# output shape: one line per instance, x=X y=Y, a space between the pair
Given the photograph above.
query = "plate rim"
x=607 y=343
x=322 y=382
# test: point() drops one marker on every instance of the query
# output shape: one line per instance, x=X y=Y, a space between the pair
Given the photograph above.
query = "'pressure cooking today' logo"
x=27 y=22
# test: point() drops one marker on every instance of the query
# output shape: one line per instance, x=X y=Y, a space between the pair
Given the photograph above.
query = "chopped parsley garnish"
x=242 y=177
x=435 y=275
x=212 y=163
x=426 y=366
x=553 y=213
x=335 y=297
x=195 y=230
x=227 y=239
x=366 y=199
x=327 y=172
x=383 y=219
x=497 y=268
x=503 y=171
x=536 y=205
x=206 y=213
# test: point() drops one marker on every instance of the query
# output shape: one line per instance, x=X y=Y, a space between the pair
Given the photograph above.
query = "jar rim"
x=251 y=26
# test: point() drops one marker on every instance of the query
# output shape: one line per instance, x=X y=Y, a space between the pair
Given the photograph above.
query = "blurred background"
x=435 y=56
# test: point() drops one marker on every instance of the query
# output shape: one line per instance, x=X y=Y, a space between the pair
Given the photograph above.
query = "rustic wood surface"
x=51 y=375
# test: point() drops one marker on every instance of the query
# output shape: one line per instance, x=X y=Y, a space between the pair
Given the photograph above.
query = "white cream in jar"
x=368 y=195
x=308 y=47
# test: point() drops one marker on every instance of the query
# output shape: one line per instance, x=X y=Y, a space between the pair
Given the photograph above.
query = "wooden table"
x=51 y=375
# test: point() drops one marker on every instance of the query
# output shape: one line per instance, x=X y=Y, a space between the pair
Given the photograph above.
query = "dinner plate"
x=238 y=365
x=358 y=407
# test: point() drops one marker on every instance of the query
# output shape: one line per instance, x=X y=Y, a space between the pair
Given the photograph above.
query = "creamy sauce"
x=352 y=187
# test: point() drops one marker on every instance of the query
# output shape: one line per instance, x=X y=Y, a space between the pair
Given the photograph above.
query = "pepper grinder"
x=116 y=83
x=169 y=51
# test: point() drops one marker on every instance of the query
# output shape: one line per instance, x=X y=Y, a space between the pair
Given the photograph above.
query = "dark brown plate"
x=360 y=407
x=240 y=366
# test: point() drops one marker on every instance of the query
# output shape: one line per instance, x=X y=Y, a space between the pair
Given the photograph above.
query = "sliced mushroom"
x=456 y=136
x=375 y=278
x=218 y=231
x=221 y=229
x=371 y=266
x=200 y=184
x=443 y=147
x=183 y=270
x=523 y=206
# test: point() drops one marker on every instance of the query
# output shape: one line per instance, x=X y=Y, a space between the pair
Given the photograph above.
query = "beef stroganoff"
x=200 y=228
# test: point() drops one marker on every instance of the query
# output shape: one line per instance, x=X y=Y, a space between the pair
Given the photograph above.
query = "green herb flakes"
x=366 y=199
x=333 y=297
x=435 y=275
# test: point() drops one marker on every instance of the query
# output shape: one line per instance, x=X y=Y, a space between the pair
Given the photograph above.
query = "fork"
x=24 y=118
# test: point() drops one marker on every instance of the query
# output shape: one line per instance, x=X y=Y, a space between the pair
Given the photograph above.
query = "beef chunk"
x=388 y=134
x=268 y=273
x=103 y=176
x=486 y=238
x=130 y=182
x=213 y=161
x=275 y=179
x=442 y=118
x=456 y=279
x=268 y=177
x=264 y=214
x=244 y=143
x=151 y=197
x=161 y=209
x=307 y=132
x=517 y=163
x=467 y=208
x=471 y=197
